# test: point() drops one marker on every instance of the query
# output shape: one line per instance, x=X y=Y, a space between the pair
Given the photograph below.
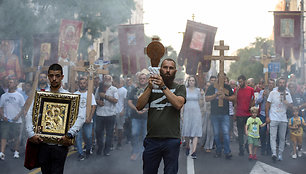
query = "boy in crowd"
x=252 y=131
x=296 y=132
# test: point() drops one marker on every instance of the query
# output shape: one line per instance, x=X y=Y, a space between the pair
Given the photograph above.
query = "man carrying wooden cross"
x=219 y=94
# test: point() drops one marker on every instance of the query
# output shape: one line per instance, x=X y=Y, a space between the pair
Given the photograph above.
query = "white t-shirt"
x=12 y=104
x=278 y=108
x=122 y=92
x=83 y=103
x=109 y=109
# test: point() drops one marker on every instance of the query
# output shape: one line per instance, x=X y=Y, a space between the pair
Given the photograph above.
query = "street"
x=119 y=163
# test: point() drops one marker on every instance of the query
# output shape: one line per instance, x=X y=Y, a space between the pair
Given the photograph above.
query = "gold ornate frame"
x=54 y=114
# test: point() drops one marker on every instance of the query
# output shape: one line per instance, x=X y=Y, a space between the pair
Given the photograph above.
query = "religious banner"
x=46 y=47
x=131 y=39
x=11 y=59
x=198 y=42
x=287 y=33
x=69 y=38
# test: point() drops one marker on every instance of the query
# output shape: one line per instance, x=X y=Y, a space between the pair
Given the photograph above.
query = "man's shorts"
x=254 y=141
x=9 y=130
x=119 y=121
x=296 y=139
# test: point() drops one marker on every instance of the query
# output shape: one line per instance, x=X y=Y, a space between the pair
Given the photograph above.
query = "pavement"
x=119 y=163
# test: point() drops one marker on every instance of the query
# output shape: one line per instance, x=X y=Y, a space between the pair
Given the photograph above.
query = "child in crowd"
x=252 y=131
x=296 y=132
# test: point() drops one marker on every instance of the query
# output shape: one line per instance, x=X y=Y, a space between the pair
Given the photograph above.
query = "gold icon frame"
x=54 y=114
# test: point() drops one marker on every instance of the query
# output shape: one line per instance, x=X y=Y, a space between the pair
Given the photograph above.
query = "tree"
x=247 y=65
x=96 y=15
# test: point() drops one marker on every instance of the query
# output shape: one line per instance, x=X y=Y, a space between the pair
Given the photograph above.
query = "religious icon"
x=45 y=49
x=197 y=41
x=287 y=27
x=10 y=58
x=131 y=38
x=54 y=114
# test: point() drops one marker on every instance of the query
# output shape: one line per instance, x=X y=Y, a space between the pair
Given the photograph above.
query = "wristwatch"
x=163 y=87
x=69 y=135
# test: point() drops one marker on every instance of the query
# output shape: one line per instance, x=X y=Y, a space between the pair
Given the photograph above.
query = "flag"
x=198 y=42
x=287 y=33
x=69 y=39
x=131 y=40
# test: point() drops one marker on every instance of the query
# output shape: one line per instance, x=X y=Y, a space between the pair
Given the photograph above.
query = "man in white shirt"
x=52 y=157
x=11 y=104
x=277 y=103
x=120 y=108
x=87 y=127
x=106 y=98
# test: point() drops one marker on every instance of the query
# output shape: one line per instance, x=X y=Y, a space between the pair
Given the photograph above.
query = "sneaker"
x=294 y=156
x=91 y=151
x=194 y=155
x=254 y=157
x=16 y=154
x=228 y=156
x=241 y=153
x=280 y=157
x=274 y=158
x=300 y=153
x=81 y=157
x=106 y=154
x=134 y=157
x=187 y=151
x=2 y=156
x=218 y=155
x=250 y=157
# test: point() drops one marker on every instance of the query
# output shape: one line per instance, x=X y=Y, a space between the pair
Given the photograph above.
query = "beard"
x=281 y=88
x=167 y=78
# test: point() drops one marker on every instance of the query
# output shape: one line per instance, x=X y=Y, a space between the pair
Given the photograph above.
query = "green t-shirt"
x=253 y=127
x=163 y=118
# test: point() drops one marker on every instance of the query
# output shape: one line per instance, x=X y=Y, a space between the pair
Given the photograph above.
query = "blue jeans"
x=139 y=130
x=157 y=149
x=87 y=128
x=264 y=137
x=223 y=122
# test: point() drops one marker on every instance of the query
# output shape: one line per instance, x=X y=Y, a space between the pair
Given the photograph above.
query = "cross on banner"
x=92 y=70
x=221 y=77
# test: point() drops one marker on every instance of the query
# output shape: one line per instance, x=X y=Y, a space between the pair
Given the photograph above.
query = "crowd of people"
x=122 y=111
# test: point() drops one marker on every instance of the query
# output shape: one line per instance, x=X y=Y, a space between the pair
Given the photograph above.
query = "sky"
x=239 y=22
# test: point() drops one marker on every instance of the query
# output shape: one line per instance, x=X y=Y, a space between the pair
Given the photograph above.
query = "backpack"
x=292 y=120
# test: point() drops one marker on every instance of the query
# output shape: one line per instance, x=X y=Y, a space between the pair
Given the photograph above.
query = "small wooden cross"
x=92 y=71
x=220 y=84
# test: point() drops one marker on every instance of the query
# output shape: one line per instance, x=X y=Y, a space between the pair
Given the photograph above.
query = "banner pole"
x=302 y=40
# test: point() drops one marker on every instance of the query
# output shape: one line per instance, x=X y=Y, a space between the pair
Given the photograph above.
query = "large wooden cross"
x=220 y=83
x=92 y=71
x=35 y=83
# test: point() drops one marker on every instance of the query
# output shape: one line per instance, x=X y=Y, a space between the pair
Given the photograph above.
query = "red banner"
x=131 y=39
x=198 y=42
x=287 y=33
x=69 y=39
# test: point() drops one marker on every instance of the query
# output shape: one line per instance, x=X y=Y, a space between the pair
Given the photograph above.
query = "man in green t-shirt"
x=163 y=127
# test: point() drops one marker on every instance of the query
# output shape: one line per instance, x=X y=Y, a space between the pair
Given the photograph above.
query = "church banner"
x=131 y=39
x=45 y=47
x=69 y=39
x=287 y=33
x=11 y=58
x=198 y=42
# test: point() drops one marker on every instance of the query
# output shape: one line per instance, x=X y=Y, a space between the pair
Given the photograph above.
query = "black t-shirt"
x=163 y=118
x=134 y=95
x=215 y=109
